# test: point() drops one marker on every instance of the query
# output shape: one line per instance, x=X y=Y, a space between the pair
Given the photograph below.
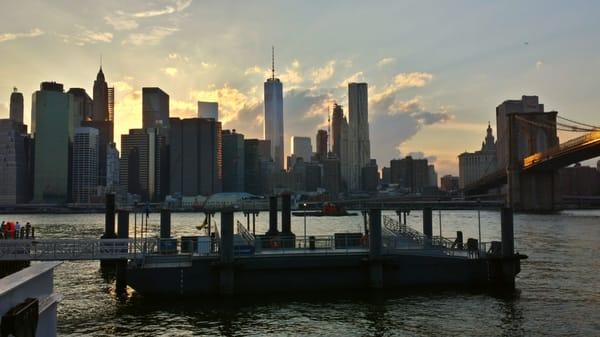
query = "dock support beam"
x=508 y=248
x=272 y=216
x=121 y=265
x=109 y=229
x=375 y=245
x=226 y=277
x=165 y=224
x=286 y=214
x=109 y=217
x=427 y=225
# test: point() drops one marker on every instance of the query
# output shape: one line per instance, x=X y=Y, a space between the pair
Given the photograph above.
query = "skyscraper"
x=16 y=106
x=301 y=148
x=111 y=103
x=195 y=161
x=233 y=161
x=341 y=144
x=15 y=162
x=358 y=120
x=208 y=110
x=100 y=107
x=155 y=108
x=85 y=165
x=83 y=104
x=52 y=127
x=410 y=174
x=370 y=176
x=273 y=123
x=337 y=120
x=140 y=169
x=257 y=166
x=321 y=144
x=331 y=177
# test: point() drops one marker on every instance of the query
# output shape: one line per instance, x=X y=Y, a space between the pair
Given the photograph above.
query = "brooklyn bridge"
x=529 y=155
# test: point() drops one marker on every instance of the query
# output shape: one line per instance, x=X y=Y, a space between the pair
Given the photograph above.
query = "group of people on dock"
x=14 y=230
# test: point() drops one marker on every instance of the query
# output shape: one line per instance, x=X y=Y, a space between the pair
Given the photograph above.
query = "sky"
x=436 y=70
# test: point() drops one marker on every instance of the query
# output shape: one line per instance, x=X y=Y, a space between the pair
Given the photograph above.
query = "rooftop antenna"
x=273 y=62
x=100 y=61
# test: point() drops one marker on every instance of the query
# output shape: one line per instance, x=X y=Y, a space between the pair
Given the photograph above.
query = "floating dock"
x=389 y=255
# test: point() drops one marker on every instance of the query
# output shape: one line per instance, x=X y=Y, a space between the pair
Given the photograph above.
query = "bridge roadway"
x=567 y=153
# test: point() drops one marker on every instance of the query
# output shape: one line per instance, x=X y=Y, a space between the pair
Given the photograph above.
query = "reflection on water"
x=558 y=289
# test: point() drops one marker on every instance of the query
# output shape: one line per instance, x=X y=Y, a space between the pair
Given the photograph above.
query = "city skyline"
x=415 y=105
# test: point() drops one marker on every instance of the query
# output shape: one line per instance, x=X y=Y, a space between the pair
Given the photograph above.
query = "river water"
x=558 y=289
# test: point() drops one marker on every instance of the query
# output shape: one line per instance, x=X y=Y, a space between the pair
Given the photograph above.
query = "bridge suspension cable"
x=559 y=126
x=576 y=122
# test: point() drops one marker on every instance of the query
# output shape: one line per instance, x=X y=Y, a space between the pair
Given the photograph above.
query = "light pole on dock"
x=304 y=224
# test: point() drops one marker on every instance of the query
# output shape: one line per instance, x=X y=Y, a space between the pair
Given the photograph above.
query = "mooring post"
x=109 y=228
x=427 y=225
x=121 y=270
x=226 y=281
x=165 y=223
x=508 y=247
x=272 y=216
x=375 y=245
x=109 y=217
x=508 y=237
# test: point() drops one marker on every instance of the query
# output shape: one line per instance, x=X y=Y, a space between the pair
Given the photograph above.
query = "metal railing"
x=322 y=244
x=409 y=239
x=76 y=249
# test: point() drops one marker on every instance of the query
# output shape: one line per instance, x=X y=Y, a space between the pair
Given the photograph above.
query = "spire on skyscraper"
x=273 y=62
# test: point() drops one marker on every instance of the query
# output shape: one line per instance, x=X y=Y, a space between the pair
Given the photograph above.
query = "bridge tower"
x=528 y=130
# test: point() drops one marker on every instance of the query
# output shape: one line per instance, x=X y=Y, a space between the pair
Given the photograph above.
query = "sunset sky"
x=436 y=70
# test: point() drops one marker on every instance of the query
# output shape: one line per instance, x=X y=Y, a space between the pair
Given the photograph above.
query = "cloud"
x=171 y=71
x=356 y=77
x=206 y=65
x=177 y=6
x=182 y=109
x=234 y=105
x=153 y=37
x=255 y=70
x=128 y=107
x=292 y=76
x=415 y=108
x=14 y=36
x=119 y=22
x=412 y=80
x=387 y=96
x=539 y=65
x=385 y=61
x=396 y=119
x=85 y=36
x=127 y=21
x=324 y=73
